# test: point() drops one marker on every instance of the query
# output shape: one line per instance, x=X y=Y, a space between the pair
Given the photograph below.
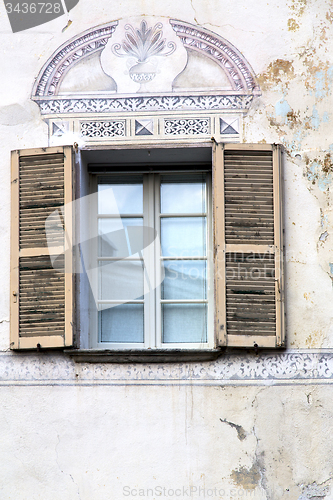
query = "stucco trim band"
x=246 y=369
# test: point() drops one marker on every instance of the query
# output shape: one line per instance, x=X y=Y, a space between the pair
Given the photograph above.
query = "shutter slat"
x=42 y=305
x=43 y=332
x=264 y=212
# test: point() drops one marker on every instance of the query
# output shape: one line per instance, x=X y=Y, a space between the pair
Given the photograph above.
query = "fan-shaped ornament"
x=143 y=50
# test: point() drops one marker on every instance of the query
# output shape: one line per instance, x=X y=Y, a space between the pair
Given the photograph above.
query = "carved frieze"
x=145 y=103
x=144 y=58
x=100 y=129
x=236 y=369
x=187 y=126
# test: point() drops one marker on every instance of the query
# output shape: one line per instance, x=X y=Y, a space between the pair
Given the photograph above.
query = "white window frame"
x=152 y=261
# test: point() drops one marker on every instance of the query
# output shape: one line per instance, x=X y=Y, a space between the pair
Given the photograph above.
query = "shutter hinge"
x=15 y=297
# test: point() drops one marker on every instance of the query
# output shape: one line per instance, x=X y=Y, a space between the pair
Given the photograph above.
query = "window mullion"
x=148 y=255
x=158 y=265
x=93 y=261
x=210 y=263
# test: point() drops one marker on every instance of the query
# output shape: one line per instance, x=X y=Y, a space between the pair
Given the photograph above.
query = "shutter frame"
x=225 y=335
x=278 y=242
x=219 y=244
x=36 y=275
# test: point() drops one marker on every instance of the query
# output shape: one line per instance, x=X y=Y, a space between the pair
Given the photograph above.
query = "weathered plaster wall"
x=72 y=435
x=116 y=442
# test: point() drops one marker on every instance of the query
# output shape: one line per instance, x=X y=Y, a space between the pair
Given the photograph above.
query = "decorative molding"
x=60 y=128
x=139 y=53
x=238 y=70
x=97 y=128
x=187 y=126
x=236 y=369
x=240 y=73
x=144 y=127
x=229 y=125
x=217 y=102
x=144 y=42
x=52 y=73
x=125 y=127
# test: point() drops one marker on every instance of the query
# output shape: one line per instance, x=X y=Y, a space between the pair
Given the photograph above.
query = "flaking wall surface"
x=247 y=425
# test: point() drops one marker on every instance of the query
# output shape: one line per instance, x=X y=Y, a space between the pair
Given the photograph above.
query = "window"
x=196 y=258
x=154 y=286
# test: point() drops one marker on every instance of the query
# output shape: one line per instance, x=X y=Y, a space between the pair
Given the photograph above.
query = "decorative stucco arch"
x=150 y=110
x=239 y=72
x=221 y=51
x=69 y=54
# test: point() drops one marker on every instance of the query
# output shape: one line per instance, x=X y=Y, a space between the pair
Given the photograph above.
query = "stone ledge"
x=143 y=356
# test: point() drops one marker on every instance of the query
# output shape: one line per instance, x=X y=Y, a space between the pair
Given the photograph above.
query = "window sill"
x=143 y=356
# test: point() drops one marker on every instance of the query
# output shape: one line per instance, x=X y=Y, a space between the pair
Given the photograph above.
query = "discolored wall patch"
x=247 y=478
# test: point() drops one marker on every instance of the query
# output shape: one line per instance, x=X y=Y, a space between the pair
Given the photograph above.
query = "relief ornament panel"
x=143 y=56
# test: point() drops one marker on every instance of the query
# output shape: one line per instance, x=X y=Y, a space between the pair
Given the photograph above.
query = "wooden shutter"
x=41 y=287
x=248 y=245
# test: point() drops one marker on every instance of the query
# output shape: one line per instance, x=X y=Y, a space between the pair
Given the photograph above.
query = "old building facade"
x=127 y=369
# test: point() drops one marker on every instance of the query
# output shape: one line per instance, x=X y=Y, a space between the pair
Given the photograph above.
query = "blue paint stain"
x=324 y=182
x=312 y=172
x=330 y=76
x=282 y=108
x=331 y=267
x=315 y=120
x=324 y=220
x=320 y=90
x=297 y=139
x=326 y=117
x=323 y=83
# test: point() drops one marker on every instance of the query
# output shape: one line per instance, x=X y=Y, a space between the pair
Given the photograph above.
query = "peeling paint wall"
x=246 y=426
x=296 y=110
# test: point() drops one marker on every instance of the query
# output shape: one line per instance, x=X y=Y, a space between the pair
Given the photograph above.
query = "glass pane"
x=119 y=237
x=120 y=199
x=120 y=280
x=123 y=323
x=182 y=197
x=184 y=279
x=184 y=323
x=183 y=236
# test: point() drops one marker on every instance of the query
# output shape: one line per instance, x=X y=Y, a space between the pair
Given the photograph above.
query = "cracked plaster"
x=84 y=441
x=278 y=458
x=296 y=110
